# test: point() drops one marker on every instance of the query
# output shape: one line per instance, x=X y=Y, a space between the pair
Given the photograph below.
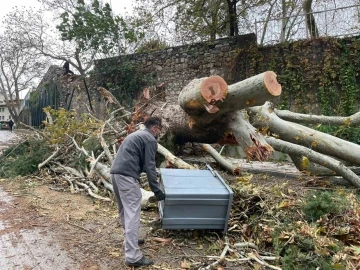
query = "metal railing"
x=335 y=22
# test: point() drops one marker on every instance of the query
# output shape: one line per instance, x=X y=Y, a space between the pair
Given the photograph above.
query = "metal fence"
x=32 y=106
x=335 y=22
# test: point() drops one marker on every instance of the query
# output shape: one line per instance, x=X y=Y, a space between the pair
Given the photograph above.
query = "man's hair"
x=152 y=121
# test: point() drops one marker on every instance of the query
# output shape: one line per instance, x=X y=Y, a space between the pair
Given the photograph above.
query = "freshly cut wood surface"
x=213 y=88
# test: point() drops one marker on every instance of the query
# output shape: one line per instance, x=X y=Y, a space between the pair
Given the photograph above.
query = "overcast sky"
x=118 y=6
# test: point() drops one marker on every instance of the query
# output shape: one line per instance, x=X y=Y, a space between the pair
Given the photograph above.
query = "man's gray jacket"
x=135 y=155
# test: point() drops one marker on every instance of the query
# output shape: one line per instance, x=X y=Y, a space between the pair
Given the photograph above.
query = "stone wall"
x=303 y=67
x=177 y=66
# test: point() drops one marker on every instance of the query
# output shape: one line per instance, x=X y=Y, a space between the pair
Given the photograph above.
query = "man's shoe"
x=142 y=262
x=141 y=241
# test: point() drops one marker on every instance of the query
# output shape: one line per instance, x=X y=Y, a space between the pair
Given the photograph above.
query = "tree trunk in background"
x=351 y=121
x=333 y=164
x=310 y=19
x=284 y=20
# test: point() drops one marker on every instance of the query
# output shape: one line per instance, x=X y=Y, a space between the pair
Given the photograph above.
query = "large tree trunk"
x=209 y=111
x=212 y=95
x=212 y=112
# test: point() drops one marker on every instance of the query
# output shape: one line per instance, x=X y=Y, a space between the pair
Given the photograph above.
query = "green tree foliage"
x=319 y=204
x=78 y=31
x=24 y=158
x=68 y=123
x=92 y=27
x=151 y=45
x=189 y=21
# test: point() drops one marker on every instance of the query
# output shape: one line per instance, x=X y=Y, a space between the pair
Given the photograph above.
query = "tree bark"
x=233 y=27
x=223 y=162
x=253 y=91
x=351 y=121
x=310 y=19
x=174 y=160
x=314 y=169
x=298 y=134
x=202 y=94
x=331 y=163
x=248 y=138
x=306 y=166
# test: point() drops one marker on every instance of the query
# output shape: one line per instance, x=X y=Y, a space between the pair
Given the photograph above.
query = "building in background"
x=4 y=111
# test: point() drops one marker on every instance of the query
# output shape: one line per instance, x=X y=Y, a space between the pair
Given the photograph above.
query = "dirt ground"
x=55 y=229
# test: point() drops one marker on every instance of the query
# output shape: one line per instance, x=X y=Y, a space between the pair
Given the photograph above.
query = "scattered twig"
x=75 y=225
x=42 y=164
x=222 y=256
x=246 y=244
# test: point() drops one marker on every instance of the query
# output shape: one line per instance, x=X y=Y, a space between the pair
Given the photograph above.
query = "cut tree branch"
x=298 y=134
x=327 y=161
x=223 y=162
x=351 y=121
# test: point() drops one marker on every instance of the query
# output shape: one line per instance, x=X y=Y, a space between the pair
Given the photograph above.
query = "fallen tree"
x=208 y=111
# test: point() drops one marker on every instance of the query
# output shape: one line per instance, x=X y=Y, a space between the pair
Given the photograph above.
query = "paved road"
x=26 y=248
x=6 y=138
x=6 y=135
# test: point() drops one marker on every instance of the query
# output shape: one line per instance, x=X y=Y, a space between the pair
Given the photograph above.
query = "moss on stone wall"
x=317 y=76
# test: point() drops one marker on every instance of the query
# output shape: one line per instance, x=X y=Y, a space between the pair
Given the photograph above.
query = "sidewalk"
x=6 y=139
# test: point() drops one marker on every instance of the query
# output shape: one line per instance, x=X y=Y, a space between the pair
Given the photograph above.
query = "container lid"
x=192 y=183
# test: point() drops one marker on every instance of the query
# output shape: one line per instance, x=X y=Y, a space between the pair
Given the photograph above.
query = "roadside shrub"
x=23 y=159
x=318 y=204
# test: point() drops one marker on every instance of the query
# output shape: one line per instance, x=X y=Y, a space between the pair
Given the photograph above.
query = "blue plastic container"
x=195 y=199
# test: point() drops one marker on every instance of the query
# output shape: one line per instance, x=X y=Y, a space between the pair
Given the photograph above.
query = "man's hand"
x=160 y=196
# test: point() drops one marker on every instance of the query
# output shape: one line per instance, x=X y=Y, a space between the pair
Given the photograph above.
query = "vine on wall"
x=122 y=79
x=319 y=76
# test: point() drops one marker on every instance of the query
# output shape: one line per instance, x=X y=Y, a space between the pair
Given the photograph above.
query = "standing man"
x=66 y=66
x=11 y=124
x=135 y=155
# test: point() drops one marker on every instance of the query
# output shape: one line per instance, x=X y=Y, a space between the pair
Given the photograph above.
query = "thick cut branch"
x=318 y=158
x=304 y=165
x=202 y=94
x=223 y=162
x=179 y=163
x=249 y=139
x=253 y=91
x=112 y=99
x=351 y=121
x=298 y=134
x=250 y=92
